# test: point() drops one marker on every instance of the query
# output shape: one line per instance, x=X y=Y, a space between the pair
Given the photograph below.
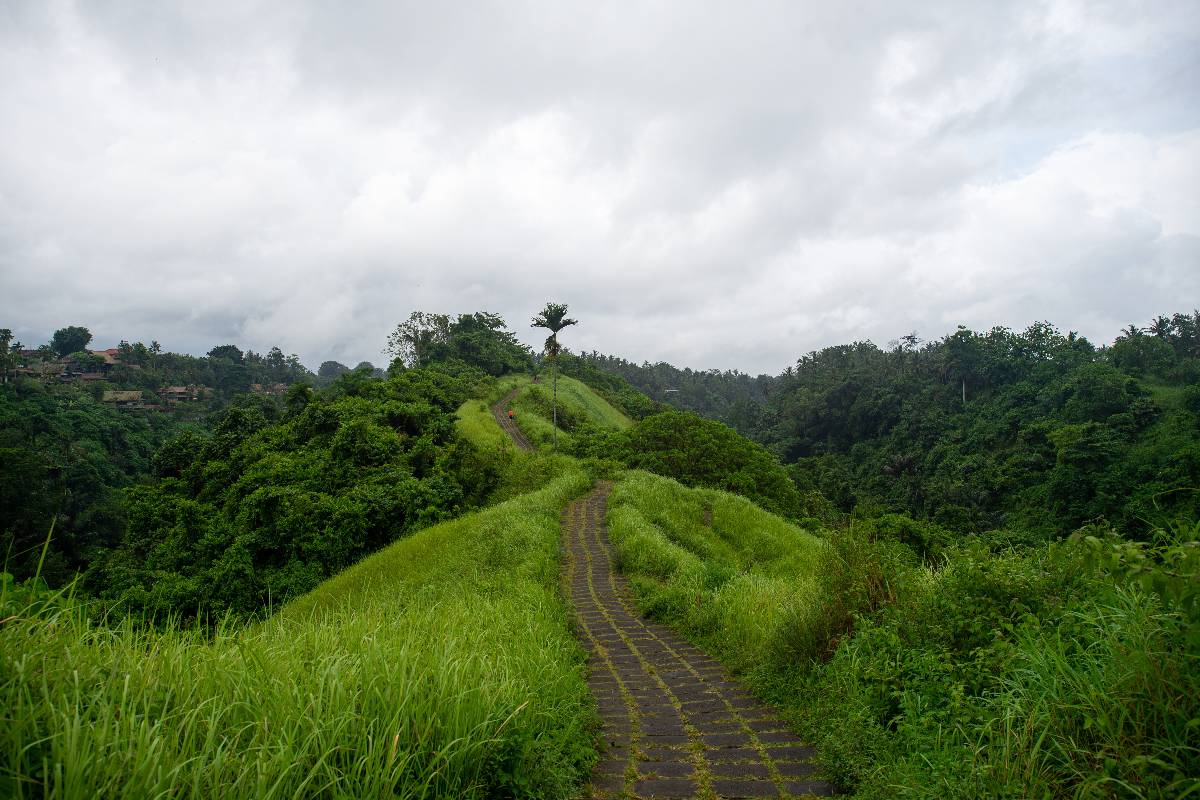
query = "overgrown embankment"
x=442 y=666
x=923 y=668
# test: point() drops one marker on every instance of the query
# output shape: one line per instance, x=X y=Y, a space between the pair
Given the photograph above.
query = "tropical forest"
x=967 y=567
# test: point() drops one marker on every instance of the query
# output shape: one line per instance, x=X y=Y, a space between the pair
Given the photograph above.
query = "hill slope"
x=442 y=666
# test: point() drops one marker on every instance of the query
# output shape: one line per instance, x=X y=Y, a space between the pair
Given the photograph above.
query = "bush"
x=700 y=452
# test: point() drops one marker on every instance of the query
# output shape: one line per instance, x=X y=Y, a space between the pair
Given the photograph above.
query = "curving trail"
x=500 y=412
x=674 y=724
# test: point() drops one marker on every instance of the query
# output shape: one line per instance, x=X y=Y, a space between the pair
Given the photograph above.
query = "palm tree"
x=554 y=318
x=1161 y=326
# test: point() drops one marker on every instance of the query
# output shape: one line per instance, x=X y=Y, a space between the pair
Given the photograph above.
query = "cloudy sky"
x=714 y=184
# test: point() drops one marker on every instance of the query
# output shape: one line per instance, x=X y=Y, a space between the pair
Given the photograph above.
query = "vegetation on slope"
x=696 y=452
x=932 y=644
x=65 y=456
x=613 y=388
x=1025 y=672
x=714 y=565
x=442 y=666
x=579 y=408
x=265 y=507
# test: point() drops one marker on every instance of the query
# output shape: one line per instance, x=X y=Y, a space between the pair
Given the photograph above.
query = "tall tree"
x=69 y=340
x=331 y=369
x=554 y=318
x=412 y=340
x=228 y=351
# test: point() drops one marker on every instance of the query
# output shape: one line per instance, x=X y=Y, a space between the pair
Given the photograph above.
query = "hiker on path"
x=510 y=413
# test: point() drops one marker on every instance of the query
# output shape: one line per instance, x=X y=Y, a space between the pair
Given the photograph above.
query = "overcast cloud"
x=714 y=184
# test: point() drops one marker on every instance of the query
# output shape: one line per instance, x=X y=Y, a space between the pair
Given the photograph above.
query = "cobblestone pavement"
x=675 y=724
x=500 y=412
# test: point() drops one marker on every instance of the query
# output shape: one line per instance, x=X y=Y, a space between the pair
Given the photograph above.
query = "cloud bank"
x=728 y=186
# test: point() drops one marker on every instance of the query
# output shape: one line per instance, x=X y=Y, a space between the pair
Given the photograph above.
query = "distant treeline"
x=1034 y=432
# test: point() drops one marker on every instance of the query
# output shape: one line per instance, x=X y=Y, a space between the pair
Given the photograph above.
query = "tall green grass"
x=580 y=396
x=577 y=403
x=1013 y=675
x=442 y=666
x=730 y=575
x=474 y=421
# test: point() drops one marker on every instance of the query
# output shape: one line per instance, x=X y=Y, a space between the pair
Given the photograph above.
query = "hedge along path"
x=674 y=724
x=500 y=412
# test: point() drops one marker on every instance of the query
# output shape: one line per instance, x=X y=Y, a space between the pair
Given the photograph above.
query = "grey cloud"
x=725 y=185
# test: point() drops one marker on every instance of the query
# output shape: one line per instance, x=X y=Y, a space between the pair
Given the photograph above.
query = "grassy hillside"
x=576 y=394
x=713 y=564
x=578 y=405
x=442 y=666
x=1025 y=672
x=475 y=422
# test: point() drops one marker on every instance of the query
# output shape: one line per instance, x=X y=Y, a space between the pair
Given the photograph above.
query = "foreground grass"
x=442 y=666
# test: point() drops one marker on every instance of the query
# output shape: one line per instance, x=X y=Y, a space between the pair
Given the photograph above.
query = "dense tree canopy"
x=269 y=502
x=480 y=340
x=64 y=455
x=1036 y=430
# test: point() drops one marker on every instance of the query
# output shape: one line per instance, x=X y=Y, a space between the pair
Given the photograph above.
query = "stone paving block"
x=795 y=769
x=657 y=740
x=743 y=769
x=721 y=725
x=728 y=754
x=795 y=752
x=725 y=739
x=666 y=769
x=767 y=725
x=654 y=752
x=665 y=787
x=704 y=706
x=608 y=782
x=744 y=788
x=662 y=727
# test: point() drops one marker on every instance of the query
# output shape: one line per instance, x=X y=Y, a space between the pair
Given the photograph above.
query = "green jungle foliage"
x=268 y=504
x=480 y=340
x=65 y=456
x=442 y=666
x=696 y=452
x=1052 y=433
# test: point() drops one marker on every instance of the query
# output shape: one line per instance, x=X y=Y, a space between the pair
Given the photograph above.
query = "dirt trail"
x=500 y=412
x=675 y=725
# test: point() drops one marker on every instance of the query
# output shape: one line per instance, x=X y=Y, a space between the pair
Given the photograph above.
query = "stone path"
x=500 y=412
x=675 y=725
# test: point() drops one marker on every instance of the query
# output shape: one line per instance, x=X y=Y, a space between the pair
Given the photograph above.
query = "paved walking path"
x=500 y=412
x=675 y=725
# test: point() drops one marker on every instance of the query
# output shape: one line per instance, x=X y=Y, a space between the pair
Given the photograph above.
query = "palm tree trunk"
x=554 y=402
